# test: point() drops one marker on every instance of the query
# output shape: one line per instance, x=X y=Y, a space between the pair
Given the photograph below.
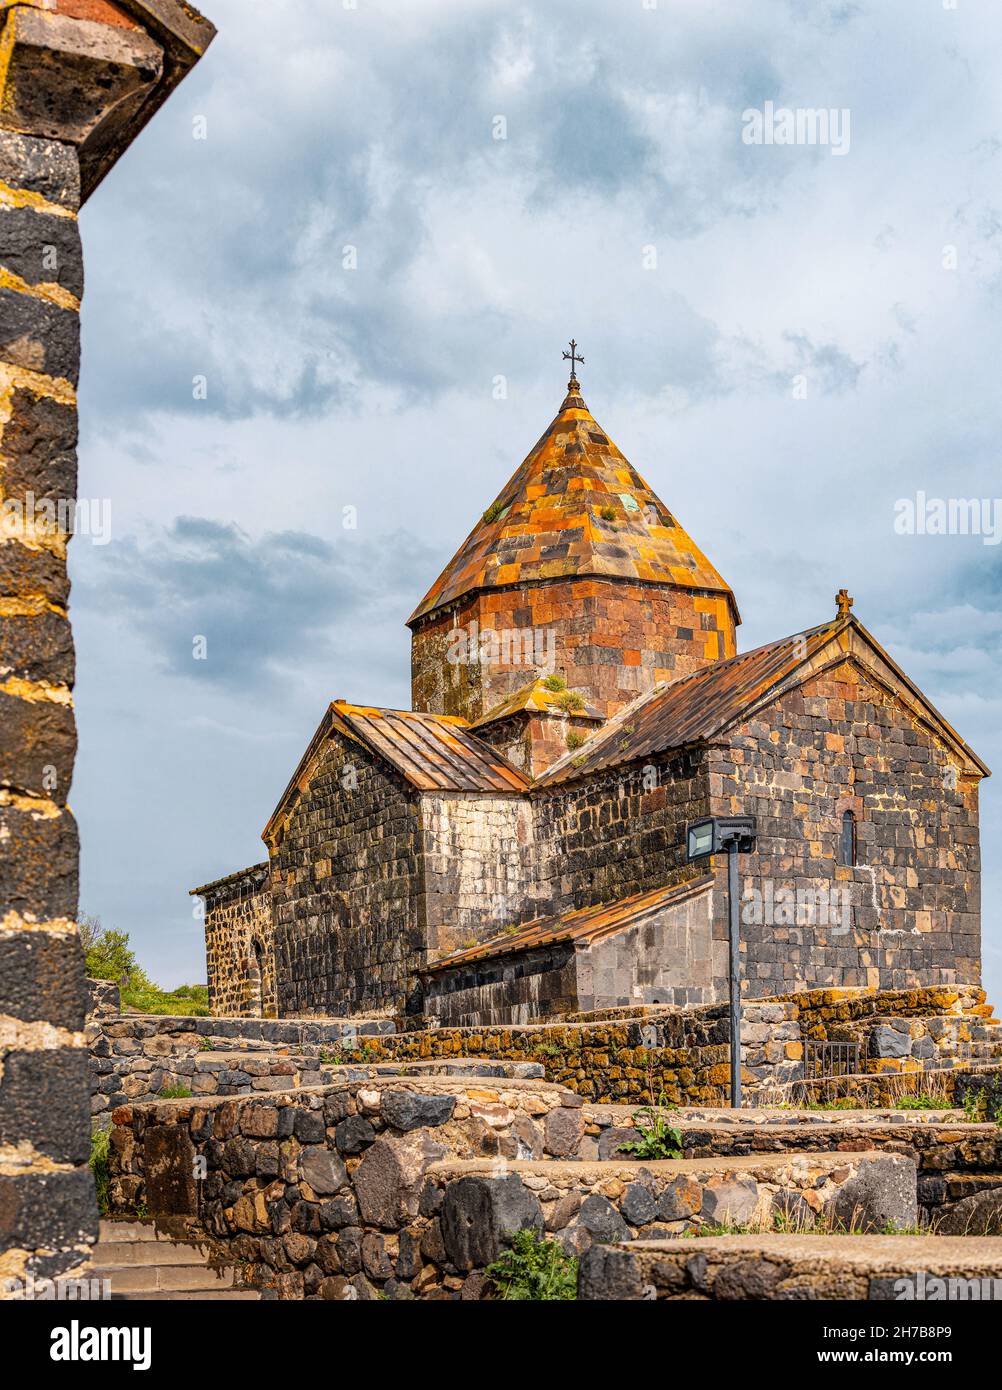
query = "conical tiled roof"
x=548 y=522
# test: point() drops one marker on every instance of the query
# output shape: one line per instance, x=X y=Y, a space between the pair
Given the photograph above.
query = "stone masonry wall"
x=346 y=882
x=667 y=959
x=841 y=743
x=410 y=1189
x=681 y=1055
x=478 y=868
x=617 y=833
x=45 y=1187
x=240 y=946
x=507 y=989
x=609 y=639
x=73 y=95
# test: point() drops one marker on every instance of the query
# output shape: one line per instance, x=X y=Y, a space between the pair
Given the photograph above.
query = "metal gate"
x=823 y=1059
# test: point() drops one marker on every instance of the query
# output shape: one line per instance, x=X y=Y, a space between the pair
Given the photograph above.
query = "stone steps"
x=141 y=1265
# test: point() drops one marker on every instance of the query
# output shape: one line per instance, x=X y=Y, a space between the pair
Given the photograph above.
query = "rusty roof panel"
x=434 y=752
x=583 y=927
x=694 y=708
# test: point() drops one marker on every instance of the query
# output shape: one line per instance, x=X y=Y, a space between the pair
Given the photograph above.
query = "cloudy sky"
x=783 y=339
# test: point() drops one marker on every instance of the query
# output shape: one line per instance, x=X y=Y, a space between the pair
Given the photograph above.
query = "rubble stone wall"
x=346 y=881
x=842 y=743
x=240 y=946
x=404 y=1189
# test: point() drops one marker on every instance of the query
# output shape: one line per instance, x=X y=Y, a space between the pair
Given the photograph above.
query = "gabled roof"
x=538 y=698
x=702 y=706
x=583 y=927
x=433 y=752
x=255 y=875
x=546 y=523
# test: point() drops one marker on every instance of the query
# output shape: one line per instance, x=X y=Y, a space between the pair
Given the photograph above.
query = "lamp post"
x=736 y=835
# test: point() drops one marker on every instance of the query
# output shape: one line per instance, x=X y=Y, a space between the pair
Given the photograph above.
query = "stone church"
x=513 y=847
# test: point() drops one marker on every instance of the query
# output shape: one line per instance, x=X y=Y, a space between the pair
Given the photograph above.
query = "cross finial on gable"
x=844 y=601
x=573 y=358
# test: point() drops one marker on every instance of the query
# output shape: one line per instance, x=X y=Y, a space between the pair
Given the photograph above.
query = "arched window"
x=848 y=847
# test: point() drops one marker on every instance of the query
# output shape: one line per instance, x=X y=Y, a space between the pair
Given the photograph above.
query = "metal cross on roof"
x=573 y=358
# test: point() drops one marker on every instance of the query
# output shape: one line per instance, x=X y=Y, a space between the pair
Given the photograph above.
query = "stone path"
x=883 y=1268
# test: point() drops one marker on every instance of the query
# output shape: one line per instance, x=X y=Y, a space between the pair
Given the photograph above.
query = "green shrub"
x=923 y=1101
x=555 y=683
x=109 y=956
x=533 y=1269
x=100 y=1142
x=174 y=1093
x=574 y=740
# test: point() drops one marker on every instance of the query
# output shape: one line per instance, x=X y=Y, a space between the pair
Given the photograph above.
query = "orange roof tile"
x=547 y=523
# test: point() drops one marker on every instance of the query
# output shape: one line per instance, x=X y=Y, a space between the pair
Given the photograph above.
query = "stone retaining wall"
x=118 y=1081
x=799 y=1267
x=681 y=1054
x=409 y=1188
x=954 y=1159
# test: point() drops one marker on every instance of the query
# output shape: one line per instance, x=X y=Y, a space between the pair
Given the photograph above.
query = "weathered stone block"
x=480 y=1215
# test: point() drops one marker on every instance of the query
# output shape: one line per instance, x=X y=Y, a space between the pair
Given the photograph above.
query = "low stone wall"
x=878 y=1090
x=954 y=1159
x=120 y=1080
x=409 y=1188
x=682 y=1054
x=794 y=1267
x=584 y=1203
x=824 y=1013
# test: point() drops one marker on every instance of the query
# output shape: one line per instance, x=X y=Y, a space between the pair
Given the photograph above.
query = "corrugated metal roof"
x=547 y=523
x=435 y=752
x=584 y=926
x=703 y=705
x=694 y=708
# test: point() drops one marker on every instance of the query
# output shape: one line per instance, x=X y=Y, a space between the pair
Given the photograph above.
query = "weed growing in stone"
x=100 y=1141
x=657 y=1136
x=174 y=1093
x=534 y=1269
x=923 y=1101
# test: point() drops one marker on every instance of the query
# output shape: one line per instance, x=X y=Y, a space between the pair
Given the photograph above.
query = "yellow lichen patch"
x=36 y=691
x=23 y=531
x=31 y=607
x=13 y=922
x=39 y=806
x=36 y=1036
x=48 y=290
x=55 y=387
x=25 y=198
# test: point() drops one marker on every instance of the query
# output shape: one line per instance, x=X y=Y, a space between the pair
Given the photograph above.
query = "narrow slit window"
x=848 y=839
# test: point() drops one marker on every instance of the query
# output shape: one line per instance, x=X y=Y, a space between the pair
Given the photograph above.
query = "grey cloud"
x=267 y=608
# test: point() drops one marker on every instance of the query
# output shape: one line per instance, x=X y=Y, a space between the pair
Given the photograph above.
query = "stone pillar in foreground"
x=78 y=81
